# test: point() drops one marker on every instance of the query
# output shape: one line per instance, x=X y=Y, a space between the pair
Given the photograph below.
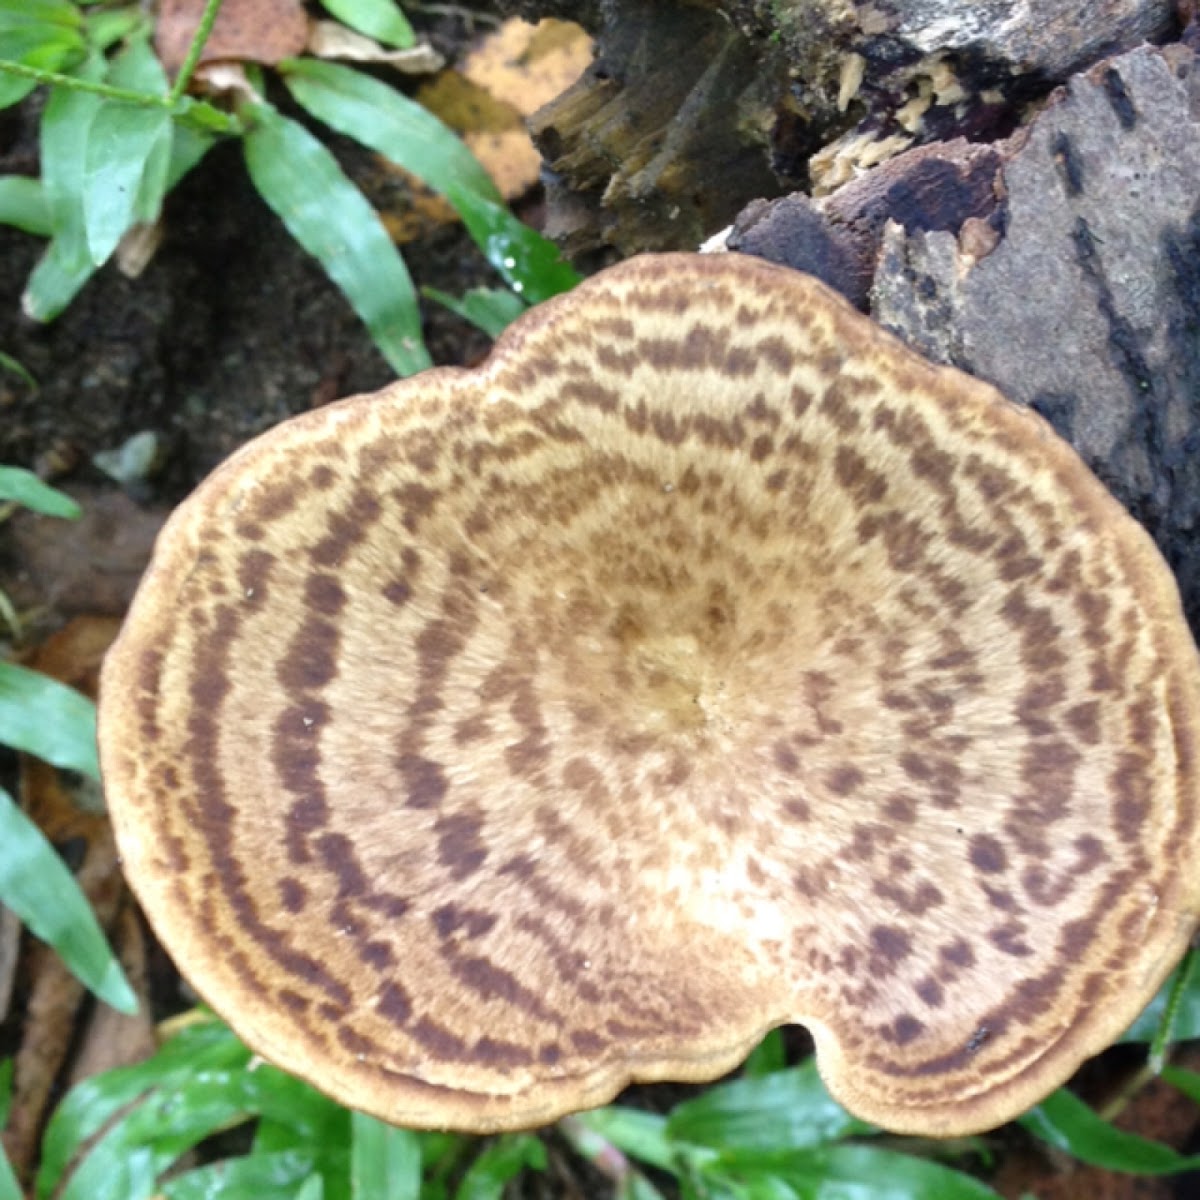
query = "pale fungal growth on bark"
x=703 y=661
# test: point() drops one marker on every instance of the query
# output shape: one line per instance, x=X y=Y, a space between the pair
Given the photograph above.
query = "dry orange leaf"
x=264 y=31
x=508 y=76
x=526 y=65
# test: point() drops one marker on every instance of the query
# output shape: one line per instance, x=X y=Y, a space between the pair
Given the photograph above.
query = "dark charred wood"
x=1084 y=300
x=937 y=187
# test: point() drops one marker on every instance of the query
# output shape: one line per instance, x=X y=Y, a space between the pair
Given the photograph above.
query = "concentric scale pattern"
x=703 y=661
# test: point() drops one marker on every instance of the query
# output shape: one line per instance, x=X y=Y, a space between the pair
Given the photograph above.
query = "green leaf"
x=1188 y=1082
x=107 y=26
x=39 y=12
x=36 y=885
x=138 y=69
x=332 y=220
x=313 y=1188
x=13 y=367
x=9 y=1188
x=188 y=147
x=35 y=41
x=305 y=1120
x=489 y=309
x=500 y=1162
x=385 y=1162
x=55 y=281
x=66 y=264
x=400 y=129
x=387 y=121
x=46 y=718
x=1186 y=1024
x=380 y=19
x=251 y=1177
x=42 y=34
x=43 y=47
x=1065 y=1121
x=14 y=88
x=641 y=1135
x=767 y=1057
x=26 y=488
x=128 y=153
x=6 y=1078
x=785 y=1110
x=92 y=1104
x=148 y=1138
x=23 y=205
x=845 y=1172
x=205 y=117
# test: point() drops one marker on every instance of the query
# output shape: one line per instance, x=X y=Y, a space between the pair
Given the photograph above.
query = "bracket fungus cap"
x=705 y=660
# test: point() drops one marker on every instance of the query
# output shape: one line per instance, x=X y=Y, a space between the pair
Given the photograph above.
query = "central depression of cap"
x=703 y=661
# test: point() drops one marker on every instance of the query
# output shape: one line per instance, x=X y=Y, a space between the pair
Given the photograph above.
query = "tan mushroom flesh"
x=703 y=661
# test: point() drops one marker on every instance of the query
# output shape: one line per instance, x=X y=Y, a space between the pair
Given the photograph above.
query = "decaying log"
x=695 y=107
x=673 y=103
x=1062 y=264
x=941 y=186
x=1087 y=305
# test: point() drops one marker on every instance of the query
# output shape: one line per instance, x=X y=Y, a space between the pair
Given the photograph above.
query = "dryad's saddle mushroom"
x=705 y=660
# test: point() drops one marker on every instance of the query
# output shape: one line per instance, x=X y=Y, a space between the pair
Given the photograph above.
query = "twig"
x=192 y=58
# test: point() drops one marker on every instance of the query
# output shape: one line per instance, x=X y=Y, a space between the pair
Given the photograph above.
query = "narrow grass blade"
x=784 y=1110
x=36 y=885
x=767 y=1057
x=332 y=220
x=380 y=19
x=1065 y=1121
x=641 y=1135
x=105 y=27
x=1188 y=1082
x=17 y=368
x=128 y=153
x=489 y=309
x=6 y=1078
x=90 y=1106
x=8 y=1181
x=388 y=121
x=9 y=1188
x=66 y=264
x=1185 y=997
x=26 y=488
x=23 y=205
x=252 y=1177
x=400 y=129
x=188 y=147
x=385 y=1162
x=848 y=1172
x=313 y=1188
x=41 y=12
x=46 y=718
x=129 y=149
x=148 y=1139
x=498 y=1164
x=45 y=36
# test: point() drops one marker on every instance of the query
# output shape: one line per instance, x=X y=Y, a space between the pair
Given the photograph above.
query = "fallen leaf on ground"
x=264 y=31
x=328 y=39
x=511 y=73
x=91 y=565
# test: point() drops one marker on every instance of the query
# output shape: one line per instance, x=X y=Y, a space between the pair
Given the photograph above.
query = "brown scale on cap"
x=703 y=661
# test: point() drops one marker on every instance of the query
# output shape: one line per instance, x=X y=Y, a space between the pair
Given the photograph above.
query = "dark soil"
x=231 y=328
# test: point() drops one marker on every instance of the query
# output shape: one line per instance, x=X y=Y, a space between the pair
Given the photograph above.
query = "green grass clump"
x=116 y=136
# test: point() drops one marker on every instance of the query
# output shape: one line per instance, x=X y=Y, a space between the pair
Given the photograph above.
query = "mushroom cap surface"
x=703 y=661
